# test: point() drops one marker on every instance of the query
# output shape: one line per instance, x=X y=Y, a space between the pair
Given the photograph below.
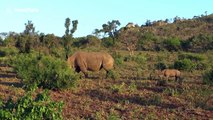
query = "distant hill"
x=155 y=35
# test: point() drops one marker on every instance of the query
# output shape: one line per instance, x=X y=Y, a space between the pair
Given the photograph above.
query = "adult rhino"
x=170 y=73
x=90 y=61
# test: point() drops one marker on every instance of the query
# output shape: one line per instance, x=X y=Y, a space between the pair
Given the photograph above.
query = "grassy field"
x=132 y=94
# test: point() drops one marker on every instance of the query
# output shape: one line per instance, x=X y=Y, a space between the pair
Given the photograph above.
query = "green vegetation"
x=208 y=77
x=185 y=64
x=43 y=71
x=29 y=108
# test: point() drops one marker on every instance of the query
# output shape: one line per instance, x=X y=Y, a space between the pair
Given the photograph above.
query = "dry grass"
x=132 y=96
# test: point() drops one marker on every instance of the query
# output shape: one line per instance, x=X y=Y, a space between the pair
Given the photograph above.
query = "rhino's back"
x=171 y=72
x=93 y=60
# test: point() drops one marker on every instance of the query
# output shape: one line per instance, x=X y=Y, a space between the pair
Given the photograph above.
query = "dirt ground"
x=124 y=99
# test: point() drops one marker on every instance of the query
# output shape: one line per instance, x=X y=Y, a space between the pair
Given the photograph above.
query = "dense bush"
x=107 y=42
x=88 y=41
x=172 y=44
x=140 y=59
x=119 y=60
x=191 y=56
x=6 y=51
x=201 y=66
x=44 y=71
x=198 y=60
x=208 y=77
x=198 y=43
x=185 y=64
x=147 y=41
x=27 y=108
x=1 y=41
x=113 y=75
x=160 y=66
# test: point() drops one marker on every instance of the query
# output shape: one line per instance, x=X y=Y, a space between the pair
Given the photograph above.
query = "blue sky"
x=49 y=16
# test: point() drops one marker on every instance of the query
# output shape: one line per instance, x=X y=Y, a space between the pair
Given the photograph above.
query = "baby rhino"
x=170 y=73
x=90 y=61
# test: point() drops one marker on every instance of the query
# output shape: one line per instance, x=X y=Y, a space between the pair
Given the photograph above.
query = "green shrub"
x=118 y=58
x=140 y=59
x=45 y=71
x=161 y=82
x=113 y=115
x=59 y=52
x=198 y=43
x=119 y=61
x=160 y=66
x=191 y=56
x=185 y=64
x=147 y=41
x=87 y=41
x=113 y=75
x=172 y=91
x=208 y=77
x=27 y=108
x=172 y=44
x=132 y=87
x=107 y=42
x=118 y=88
x=151 y=100
x=198 y=60
x=128 y=58
x=6 y=51
x=201 y=66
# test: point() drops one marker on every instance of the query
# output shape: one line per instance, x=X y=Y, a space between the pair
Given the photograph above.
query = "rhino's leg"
x=107 y=72
x=176 y=78
x=84 y=70
x=77 y=69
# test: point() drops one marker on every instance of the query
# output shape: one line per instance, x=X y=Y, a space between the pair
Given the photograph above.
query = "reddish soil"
x=105 y=99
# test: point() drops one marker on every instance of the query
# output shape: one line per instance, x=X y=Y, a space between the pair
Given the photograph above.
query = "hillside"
x=182 y=34
x=183 y=28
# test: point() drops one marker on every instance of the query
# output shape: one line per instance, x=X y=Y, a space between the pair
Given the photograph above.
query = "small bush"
x=27 y=108
x=173 y=91
x=151 y=100
x=118 y=58
x=161 y=82
x=140 y=59
x=107 y=42
x=184 y=64
x=118 y=88
x=113 y=75
x=201 y=66
x=160 y=66
x=172 y=44
x=45 y=71
x=128 y=58
x=6 y=51
x=119 y=61
x=132 y=87
x=208 y=77
x=193 y=57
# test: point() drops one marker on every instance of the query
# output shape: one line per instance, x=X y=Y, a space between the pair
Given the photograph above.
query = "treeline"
x=194 y=35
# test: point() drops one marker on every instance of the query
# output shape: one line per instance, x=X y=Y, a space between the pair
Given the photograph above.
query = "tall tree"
x=67 y=26
x=69 y=35
x=129 y=37
x=110 y=28
x=29 y=28
x=74 y=27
